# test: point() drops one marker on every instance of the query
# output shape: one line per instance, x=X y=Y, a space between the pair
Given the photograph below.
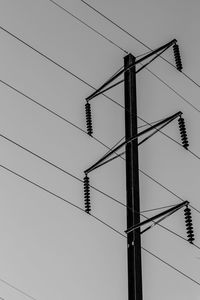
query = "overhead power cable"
x=136 y=39
x=48 y=109
x=172 y=139
x=60 y=66
x=152 y=73
x=77 y=178
x=55 y=63
x=58 y=168
x=57 y=196
x=48 y=58
x=68 y=202
x=17 y=289
x=45 y=56
x=104 y=223
x=74 y=75
x=156 y=181
x=88 y=26
x=79 y=128
x=169 y=265
x=83 y=81
x=167 y=189
x=173 y=90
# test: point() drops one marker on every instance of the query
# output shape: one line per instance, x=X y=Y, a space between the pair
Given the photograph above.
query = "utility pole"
x=132 y=183
x=132 y=166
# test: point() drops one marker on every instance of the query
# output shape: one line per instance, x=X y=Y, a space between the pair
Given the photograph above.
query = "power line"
x=57 y=115
x=156 y=181
x=55 y=63
x=63 y=69
x=74 y=75
x=190 y=79
x=172 y=139
x=77 y=77
x=166 y=263
x=178 y=235
x=173 y=90
x=136 y=39
x=194 y=154
x=104 y=223
x=48 y=110
x=108 y=19
x=41 y=105
x=156 y=76
x=48 y=58
x=79 y=128
x=58 y=168
x=82 y=80
x=65 y=199
x=167 y=189
x=57 y=196
x=88 y=26
x=77 y=178
x=17 y=289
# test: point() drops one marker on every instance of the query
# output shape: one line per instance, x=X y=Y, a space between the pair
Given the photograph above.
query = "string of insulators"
x=88 y=118
x=189 y=226
x=177 y=57
x=87 y=194
x=183 y=133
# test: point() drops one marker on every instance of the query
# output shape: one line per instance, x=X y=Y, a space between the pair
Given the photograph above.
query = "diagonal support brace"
x=103 y=86
x=160 y=215
x=164 y=122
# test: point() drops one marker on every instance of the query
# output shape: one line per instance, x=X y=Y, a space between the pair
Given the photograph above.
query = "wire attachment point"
x=184 y=138
x=188 y=223
x=87 y=194
x=177 y=57
x=88 y=118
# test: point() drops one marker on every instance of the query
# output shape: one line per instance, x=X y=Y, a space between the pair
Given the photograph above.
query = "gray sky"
x=49 y=249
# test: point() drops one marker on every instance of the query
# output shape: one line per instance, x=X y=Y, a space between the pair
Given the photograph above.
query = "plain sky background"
x=49 y=249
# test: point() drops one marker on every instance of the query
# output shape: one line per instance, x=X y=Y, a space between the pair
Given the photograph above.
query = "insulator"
x=177 y=57
x=188 y=223
x=88 y=118
x=87 y=194
x=183 y=133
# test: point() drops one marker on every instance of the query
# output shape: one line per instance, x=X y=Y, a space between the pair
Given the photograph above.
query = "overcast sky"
x=50 y=249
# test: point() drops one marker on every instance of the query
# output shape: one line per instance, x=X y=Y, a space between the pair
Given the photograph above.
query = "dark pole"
x=132 y=183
